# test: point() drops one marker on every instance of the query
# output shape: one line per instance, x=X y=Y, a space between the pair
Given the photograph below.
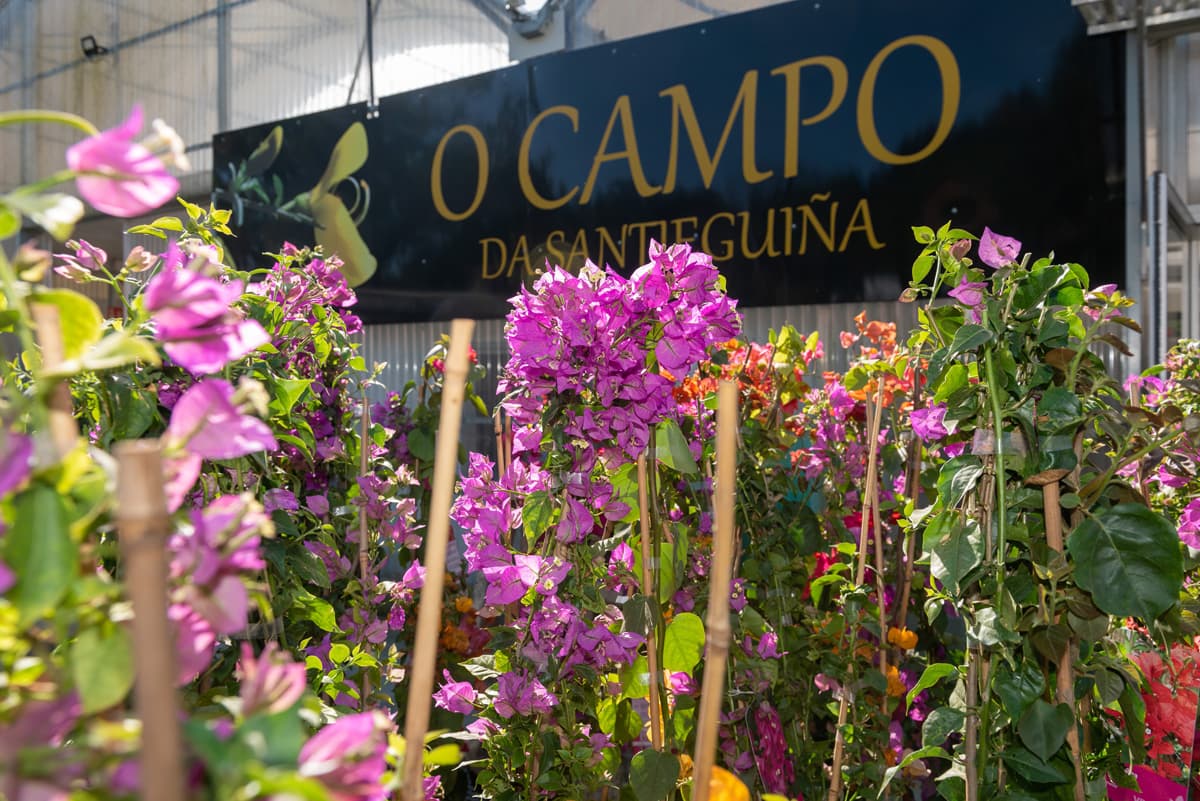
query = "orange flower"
x=902 y=638
x=895 y=688
x=724 y=786
x=464 y=604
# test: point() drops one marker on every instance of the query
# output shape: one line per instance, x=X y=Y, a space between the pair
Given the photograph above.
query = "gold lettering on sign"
x=525 y=179
x=487 y=244
x=681 y=109
x=435 y=178
x=792 y=121
x=951 y=90
x=606 y=239
x=706 y=245
x=624 y=114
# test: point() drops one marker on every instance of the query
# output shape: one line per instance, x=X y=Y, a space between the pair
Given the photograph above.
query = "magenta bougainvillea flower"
x=194 y=317
x=206 y=422
x=86 y=259
x=272 y=682
x=131 y=179
x=7 y=578
x=970 y=294
x=1189 y=524
x=929 y=423
x=455 y=696
x=521 y=694
x=996 y=250
x=348 y=757
x=16 y=462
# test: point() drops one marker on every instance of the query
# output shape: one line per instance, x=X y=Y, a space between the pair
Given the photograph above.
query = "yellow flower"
x=724 y=786
x=902 y=638
x=895 y=688
x=464 y=604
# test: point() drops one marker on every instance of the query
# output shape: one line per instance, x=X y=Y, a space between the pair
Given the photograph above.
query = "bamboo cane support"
x=877 y=525
x=716 y=649
x=870 y=491
x=649 y=590
x=64 y=432
x=1066 y=662
x=429 y=615
x=142 y=523
x=971 y=733
x=498 y=428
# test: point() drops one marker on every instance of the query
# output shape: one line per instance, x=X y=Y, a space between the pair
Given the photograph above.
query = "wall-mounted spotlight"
x=90 y=48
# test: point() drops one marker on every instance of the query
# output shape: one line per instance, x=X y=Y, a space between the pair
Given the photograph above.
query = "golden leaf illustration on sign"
x=336 y=227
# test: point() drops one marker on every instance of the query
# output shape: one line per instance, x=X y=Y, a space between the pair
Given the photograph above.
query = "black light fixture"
x=90 y=48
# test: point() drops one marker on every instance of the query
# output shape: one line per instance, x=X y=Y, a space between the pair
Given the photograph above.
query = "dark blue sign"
x=797 y=144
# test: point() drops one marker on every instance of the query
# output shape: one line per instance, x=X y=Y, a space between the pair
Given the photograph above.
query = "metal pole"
x=224 y=64
x=372 y=101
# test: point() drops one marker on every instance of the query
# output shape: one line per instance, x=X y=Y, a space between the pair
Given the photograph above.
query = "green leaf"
x=1043 y=728
x=683 y=643
x=420 y=444
x=955 y=555
x=967 y=338
x=1128 y=558
x=929 y=677
x=911 y=757
x=102 y=667
x=39 y=550
x=537 y=513
x=117 y=349
x=672 y=449
x=940 y=724
x=1018 y=688
x=285 y=392
x=923 y=234
x=1033 y=768
x=954 y=379
x=635 y=679
x=168 y=224
x=640 y=611
x=309 y=607
x=653 y=775
x=275 y=739
x=921 y=267
x=10 y=221
x=443 y=756
x=79 y=319
x=957 y=477
x=1133 y=708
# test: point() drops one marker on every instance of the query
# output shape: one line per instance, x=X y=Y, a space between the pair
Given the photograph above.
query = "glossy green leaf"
x=956 y=554
x=672 y=449
x=929 y=677
x=1128 y=558
x=968 y=338
x=940 y=724
x=307 y=606
x=285 y=392
x=102 y=667
x=1033 y=768
x=420 y=444
x=635 y=679
x=79 y=319
x=683 y=643
x=957 y=477
x=909 y=758
x=117 y=349
x=1043 y=728
x=39 y=550
x=954 y=379
x=537 y=513
x=1018 y=688
x=653 y=775
x=274 y=739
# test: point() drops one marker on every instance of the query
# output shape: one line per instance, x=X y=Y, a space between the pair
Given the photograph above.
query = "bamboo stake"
x=1066 y=663
x=64 y=432
x=716 y=649
x=971 y=735
x=498 y=428
x=142 y=522
x=877 y=524
x=870 y=493
x=429 y=615
x=649 y=590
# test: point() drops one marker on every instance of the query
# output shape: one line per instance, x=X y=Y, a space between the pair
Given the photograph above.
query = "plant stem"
x=1001 y=475
x=45 y=115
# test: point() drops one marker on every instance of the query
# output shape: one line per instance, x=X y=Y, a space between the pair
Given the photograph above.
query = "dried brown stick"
x=143 y=525
x=716 y=650
x=429 y=615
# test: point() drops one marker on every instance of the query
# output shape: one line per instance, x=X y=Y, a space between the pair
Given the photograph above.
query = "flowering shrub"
x=293 y=564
